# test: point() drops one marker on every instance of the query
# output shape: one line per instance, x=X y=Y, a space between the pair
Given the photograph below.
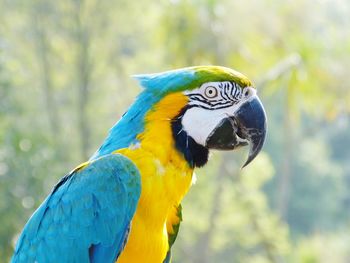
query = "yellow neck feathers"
x=166 y=178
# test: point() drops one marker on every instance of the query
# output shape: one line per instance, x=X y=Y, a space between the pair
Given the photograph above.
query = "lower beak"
x=247 y=126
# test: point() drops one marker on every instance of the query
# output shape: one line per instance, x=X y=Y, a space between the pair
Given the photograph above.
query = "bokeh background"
x=65 y=71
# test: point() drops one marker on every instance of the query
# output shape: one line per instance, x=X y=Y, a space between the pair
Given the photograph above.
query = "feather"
x=86 y=217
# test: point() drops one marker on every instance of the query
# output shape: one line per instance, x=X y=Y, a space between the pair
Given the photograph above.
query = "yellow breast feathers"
x=166 y=178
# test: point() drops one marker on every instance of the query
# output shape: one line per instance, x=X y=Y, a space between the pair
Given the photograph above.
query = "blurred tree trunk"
x=286 y=175
x=43 y=50
x=83 y=78
x=284 y=184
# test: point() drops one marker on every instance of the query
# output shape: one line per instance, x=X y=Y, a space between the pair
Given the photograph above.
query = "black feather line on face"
x=230 y=94
x=195 y=154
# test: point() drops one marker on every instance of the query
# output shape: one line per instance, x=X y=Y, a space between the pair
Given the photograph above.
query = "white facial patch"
x=199 y=123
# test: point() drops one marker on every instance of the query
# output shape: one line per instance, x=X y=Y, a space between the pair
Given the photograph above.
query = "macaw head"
x=207 y=107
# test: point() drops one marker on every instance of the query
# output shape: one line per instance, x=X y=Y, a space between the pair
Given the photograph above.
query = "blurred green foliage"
x=64 y=80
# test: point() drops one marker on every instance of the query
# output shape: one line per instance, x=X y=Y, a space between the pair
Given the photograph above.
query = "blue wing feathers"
x=86 y=217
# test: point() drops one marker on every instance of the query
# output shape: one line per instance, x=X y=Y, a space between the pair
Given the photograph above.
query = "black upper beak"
x=251 y=122
x=247 y=126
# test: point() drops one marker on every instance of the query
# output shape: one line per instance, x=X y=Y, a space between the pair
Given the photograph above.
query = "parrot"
x=124 y=204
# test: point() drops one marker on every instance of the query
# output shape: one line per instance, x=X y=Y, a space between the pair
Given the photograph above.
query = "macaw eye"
x=210 y=92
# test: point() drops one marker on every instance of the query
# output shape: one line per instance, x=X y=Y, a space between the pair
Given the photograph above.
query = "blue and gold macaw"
x=124 y=203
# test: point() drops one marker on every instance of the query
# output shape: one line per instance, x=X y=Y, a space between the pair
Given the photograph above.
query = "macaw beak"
x=246 y=126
